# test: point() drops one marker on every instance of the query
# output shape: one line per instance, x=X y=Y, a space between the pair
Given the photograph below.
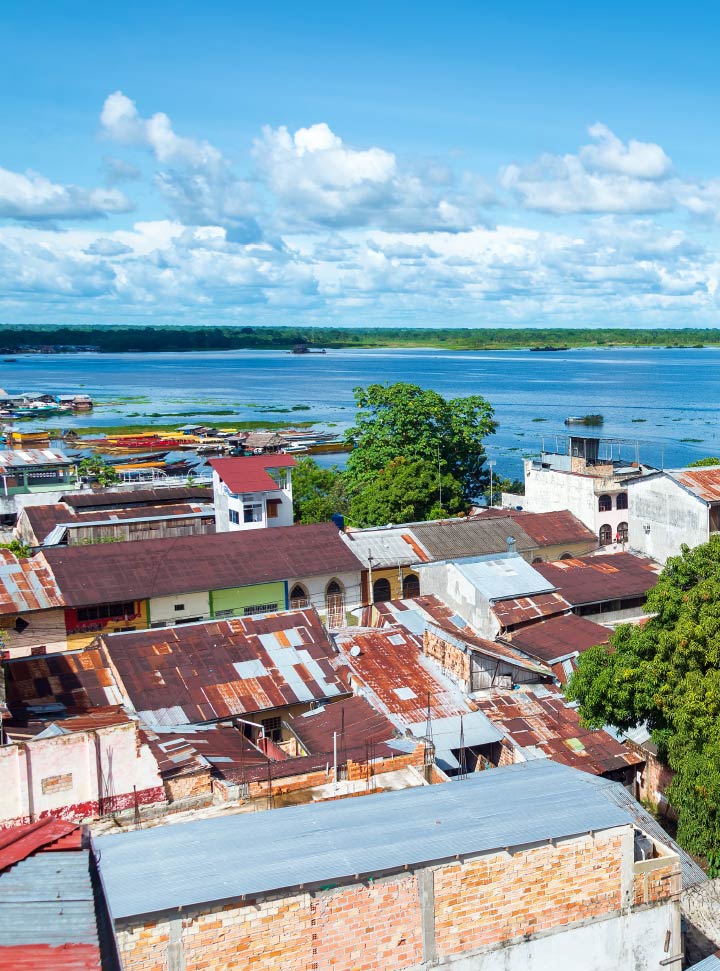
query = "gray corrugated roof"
x=48 y=899
x=502 y=576
x=209 y=860
x=386 y=546
x=617 y=794
x=711 y=963
x=471 y=537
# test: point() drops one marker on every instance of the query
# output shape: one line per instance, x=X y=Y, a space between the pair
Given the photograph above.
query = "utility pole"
x=491 y=465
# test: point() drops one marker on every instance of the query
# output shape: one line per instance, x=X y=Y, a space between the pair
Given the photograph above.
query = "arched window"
x=299 y=596
x=605 y=535
x=605 y=503
x=411 y=586
x=566 y=556
x=622 y=500
x=538 y=559
x=381 y=590
x=335 y=604
x=622 y=533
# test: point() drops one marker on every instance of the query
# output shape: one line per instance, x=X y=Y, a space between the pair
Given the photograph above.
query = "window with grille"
x=259 y=609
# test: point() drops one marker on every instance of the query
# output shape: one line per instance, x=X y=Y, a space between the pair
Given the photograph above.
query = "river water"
x=662 y=402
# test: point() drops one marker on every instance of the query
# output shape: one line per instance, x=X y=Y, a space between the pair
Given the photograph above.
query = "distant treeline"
x=191 y=338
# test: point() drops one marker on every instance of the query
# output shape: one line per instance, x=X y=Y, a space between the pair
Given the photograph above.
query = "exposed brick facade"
x=398 y=921
x=450 y=658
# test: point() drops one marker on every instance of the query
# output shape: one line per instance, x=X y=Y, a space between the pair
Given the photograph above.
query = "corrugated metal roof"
x=703 y=482
x=24 y=458
x=250 y=473
x=19 y=842
x=520 y=610
x=490 y=649
x=216 y=669
x=542 y=724
x=502 y=576
x=361 y=723
x=26 y=584
x=135 y=570
x=558 y=636
x=597 y=579
x=137 y=497
x=416 y=613
x=400 y=680
x=616 y=793
x=76 y=680
x=452 y=539
x=559 y=528
x=388 y=546
x=711 y=963
x=203 y=861
x=46 y=957
x=43 y=520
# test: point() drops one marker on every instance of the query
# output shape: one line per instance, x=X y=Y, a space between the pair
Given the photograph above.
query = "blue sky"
x=403 y=164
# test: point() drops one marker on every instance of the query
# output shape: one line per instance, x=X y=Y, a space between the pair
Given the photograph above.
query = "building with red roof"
x=253 y=491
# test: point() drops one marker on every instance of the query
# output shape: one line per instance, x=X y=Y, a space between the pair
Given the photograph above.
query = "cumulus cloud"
x=198 y=182
x=606 y=176
x=31 y=196
x=315 y=178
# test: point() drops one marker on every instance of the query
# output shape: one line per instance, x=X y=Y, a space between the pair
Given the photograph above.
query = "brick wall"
x=402 y=920
x=451 y=659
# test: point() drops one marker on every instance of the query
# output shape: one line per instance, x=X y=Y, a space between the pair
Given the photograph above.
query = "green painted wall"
x=238 y=598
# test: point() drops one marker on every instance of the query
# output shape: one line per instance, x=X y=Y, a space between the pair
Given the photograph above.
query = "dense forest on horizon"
x=112 y=339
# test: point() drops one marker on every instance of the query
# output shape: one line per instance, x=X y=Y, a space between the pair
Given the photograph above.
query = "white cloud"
x=31 y=196
x=639 y=160
x=315 y=178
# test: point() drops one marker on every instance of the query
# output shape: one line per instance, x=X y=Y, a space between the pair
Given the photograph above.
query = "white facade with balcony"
x=253 y=507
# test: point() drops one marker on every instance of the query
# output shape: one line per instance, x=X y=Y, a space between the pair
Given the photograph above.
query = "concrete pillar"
x=176 y=950
x=426 y=893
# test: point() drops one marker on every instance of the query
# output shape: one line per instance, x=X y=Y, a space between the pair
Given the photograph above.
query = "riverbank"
x=109 y=339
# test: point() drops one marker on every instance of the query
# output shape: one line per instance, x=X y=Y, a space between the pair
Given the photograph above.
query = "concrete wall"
x=164 y=609
x=581 y=903
x=76 y=776
x=316 y=588
x=237 y=599
x=447 y=583
x=673 y=515
x=46 y=628
x=226 y=500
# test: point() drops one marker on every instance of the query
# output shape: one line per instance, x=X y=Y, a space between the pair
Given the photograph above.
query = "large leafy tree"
x=406 y=491
x=417 y=424
x=667 y=673
x=317 y=492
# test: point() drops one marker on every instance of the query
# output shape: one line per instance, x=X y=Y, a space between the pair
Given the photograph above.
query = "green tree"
x=667 y=673
x=501 y=484
x=15 y=546
x=98 y=469
x=406 y=491
x=407 y=421
x=317 y=492
x=710 y=460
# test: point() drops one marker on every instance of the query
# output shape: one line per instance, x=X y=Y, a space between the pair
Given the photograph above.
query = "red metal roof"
x=703 y=482
x=391 y=664
x=559 y=636
x=46 y=957
x=26 y=583
x=136 y=570
x=240 y=665
x=544 y=721
x=249 y=473
x=547 y=528
x=19 y=842
x=79 y=680
x=520 y=610
x=597 y=579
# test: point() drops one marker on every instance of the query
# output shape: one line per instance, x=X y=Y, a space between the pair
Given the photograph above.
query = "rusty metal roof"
x=138 y=497
x=546 y=528
x=492 y=649
x=42 y=957
x=216 y=669
x=597 y=579
x=454 y=538
x=356 y=723
x=540 y=724
x=703 y=482
x=19 y=842
x=557 y=637
x=73 y=680
x=250 y=473
x=136 y=570
x=26 y=458
x=520 y=610
x=26 y=583
x=414 y=613
x=43 y=519
x=389 y=662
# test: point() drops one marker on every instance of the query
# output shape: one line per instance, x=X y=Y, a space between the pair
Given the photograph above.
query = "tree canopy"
x=317 y=493
x=667 y=673
x=709 y=460
x=404 y=492
x=417 y=424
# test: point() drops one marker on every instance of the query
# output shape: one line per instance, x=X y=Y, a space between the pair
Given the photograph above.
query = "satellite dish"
x=355 y=651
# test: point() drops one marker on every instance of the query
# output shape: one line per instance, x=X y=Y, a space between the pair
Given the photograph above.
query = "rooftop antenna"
x=429 y=750
x=462 y=774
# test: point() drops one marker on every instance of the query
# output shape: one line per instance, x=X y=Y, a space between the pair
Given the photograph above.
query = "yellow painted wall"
x=79 y=639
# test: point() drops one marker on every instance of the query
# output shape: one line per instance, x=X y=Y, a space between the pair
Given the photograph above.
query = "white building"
x=672 y=508
x=593 y=488
x=253 y=492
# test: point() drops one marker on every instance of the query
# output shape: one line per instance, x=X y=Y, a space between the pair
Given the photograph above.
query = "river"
x=663 y=399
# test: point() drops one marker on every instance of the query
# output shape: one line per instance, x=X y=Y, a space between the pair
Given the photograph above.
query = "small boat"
x=9 y=360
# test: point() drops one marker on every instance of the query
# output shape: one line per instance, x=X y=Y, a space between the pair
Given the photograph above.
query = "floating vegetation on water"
x=637 y=421
x=698 y=440
x=300 y=408
x=539 y=419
